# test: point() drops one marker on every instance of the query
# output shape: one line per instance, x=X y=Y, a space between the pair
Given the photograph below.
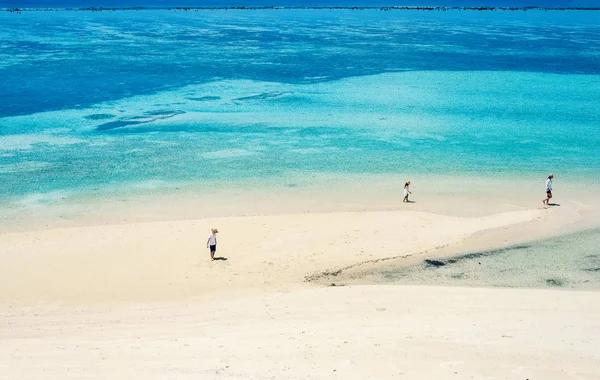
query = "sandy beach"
x=106 y=301
x=382 y=332
x=168 y=260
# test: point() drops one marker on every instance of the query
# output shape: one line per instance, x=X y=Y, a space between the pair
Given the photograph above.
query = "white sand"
x=169 y=260
x=143 y=300
x=372 y=332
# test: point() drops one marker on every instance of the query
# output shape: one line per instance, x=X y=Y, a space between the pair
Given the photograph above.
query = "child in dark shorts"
x=548 y=190
x=212 y=242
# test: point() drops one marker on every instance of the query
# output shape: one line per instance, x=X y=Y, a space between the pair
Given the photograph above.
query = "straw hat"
x=214 y=230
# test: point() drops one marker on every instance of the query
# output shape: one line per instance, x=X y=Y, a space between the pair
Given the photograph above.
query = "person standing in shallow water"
x=406 y=191
x=211 y=243
x=548 y=190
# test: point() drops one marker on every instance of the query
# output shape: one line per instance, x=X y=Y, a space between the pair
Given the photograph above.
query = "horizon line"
x=275 y=7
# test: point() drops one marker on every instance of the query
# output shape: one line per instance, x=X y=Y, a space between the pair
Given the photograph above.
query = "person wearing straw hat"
x=406 y=191
x=212 y=243
x=548 y=190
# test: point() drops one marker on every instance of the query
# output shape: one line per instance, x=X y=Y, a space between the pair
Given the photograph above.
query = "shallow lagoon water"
x=568 y=261
x=95 y=102
x=417 y=122
x=111 y=102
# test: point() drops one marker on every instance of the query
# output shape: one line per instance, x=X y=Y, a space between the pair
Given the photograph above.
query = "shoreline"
x=151 y=248
x=155 y=201
x=165 y=260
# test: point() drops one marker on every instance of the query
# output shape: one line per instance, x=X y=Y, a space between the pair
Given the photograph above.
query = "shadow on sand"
x=554 y=204
x=221 y=258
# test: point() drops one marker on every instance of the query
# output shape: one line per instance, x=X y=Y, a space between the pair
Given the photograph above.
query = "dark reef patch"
x=117 y=124
x=163 y=113
x=205 y=98
x=593 y=263
x=434 y=263
x=149 y=117
x=99 y=116
x=554 y=282
x=469 y=256
x=264 y=95
x=429 y=263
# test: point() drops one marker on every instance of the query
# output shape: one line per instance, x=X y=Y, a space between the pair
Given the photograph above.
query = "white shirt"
x=212 y=239
x=548 y=184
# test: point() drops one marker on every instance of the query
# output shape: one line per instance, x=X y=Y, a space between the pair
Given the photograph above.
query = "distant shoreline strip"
x=390 y=8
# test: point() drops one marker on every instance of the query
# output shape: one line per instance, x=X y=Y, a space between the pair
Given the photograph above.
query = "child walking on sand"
x=212 y=243
x=406 y=191
x=548 y=190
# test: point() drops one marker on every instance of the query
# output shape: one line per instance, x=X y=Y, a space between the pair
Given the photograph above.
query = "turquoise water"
x=569 y=261
x=92 y=101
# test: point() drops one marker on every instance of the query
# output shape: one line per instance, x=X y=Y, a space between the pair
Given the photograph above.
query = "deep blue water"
x=51 y=61
x=113 y=98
